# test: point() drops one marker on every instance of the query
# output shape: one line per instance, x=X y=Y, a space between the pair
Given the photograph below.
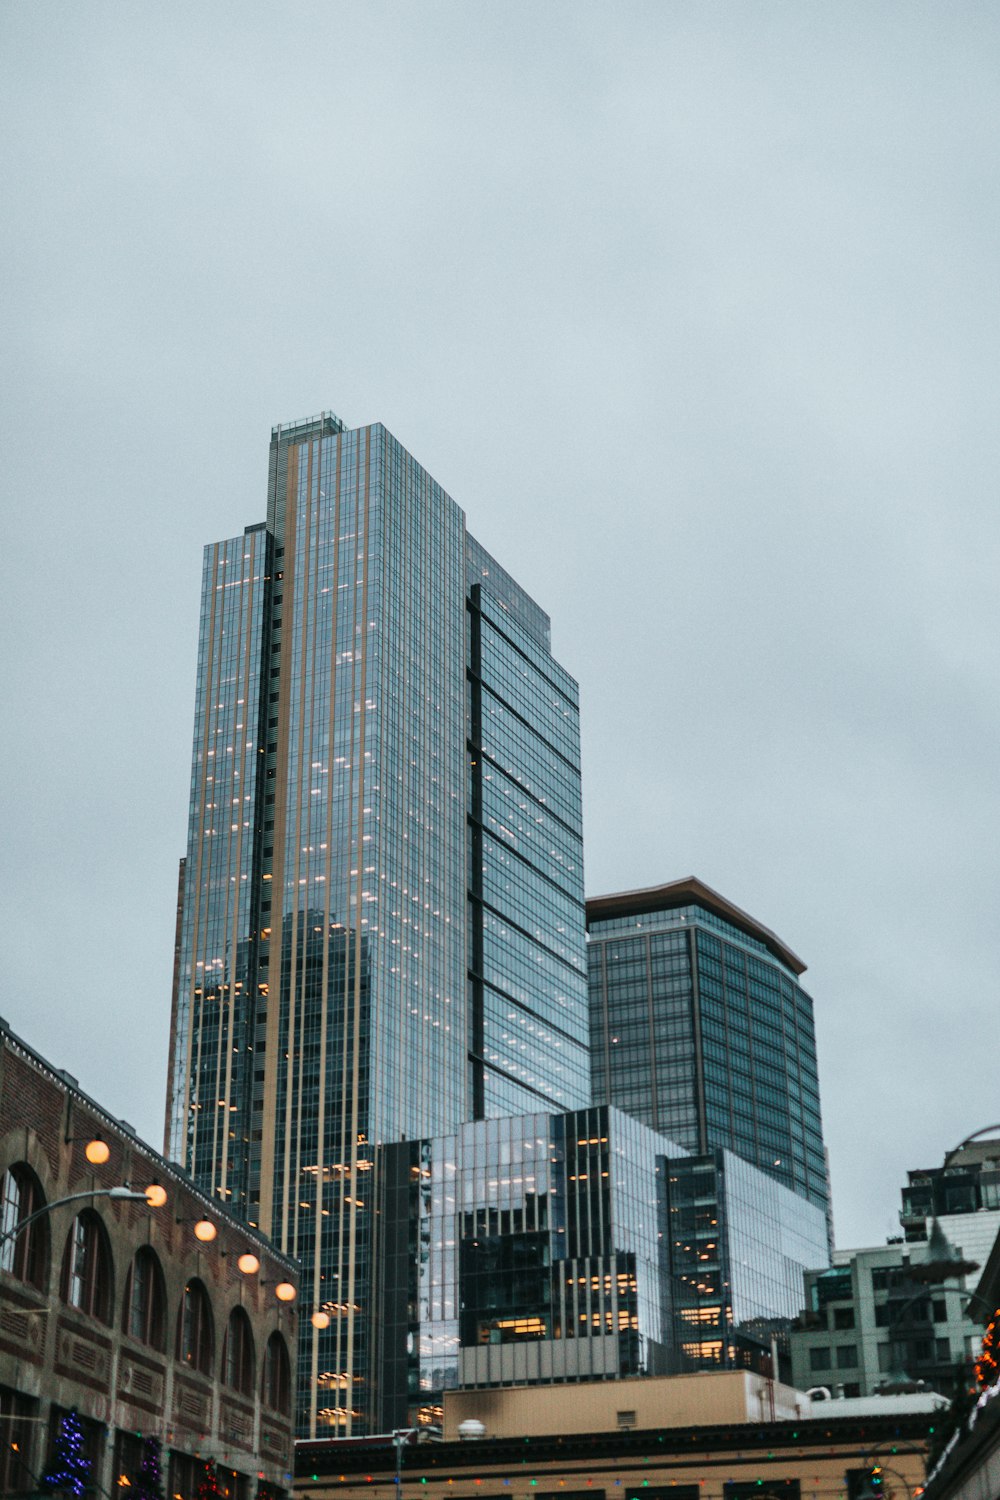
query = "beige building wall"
x=700 y=1400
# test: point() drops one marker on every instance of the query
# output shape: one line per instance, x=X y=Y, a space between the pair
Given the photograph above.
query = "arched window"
x=144 y=1307
x=276 y=1391
x=87 y=1278
x=195 y=1333
x=238 y=1360
x=24 y=1255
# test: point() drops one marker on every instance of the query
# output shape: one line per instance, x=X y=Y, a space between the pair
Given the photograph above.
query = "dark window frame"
x=25 y=1255
x=144 y=1312
x=88 y=1278
x=276 y=1385
x=239 y=1356
x=195 y=1345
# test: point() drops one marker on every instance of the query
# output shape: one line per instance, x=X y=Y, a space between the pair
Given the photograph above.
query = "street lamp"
x=204 y=1230
x=97 y=1151
x=896 y=1380
x=399 y=1437
x=283 y=1290
x=944 y=1262
x=120 y=1194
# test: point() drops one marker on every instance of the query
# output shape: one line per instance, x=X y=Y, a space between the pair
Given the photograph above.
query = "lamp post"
x=399 y=1437
x=897 y=1381
x=976 y=1135
x=119 y=1193
x=944 y=1262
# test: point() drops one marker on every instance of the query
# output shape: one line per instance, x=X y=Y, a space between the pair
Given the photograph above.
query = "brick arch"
x=144 y=1302
x=24 y=1145
x=239 y=1353
x=195 y=1329
x=276 y=1374
x=87 y=1277
x=27 y=1255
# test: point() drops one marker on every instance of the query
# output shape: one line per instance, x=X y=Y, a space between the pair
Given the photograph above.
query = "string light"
x=70 y=1468
x=988 y=1362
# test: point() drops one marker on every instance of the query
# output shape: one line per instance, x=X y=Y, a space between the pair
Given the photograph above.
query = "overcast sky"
x=693 y=307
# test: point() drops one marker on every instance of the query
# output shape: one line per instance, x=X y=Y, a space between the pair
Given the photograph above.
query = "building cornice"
x=690 y=892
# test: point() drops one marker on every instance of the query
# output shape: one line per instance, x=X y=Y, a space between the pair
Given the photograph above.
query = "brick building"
x=113 y=1307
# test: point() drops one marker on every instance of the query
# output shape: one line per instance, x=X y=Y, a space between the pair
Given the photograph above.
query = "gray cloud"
x=692 y=307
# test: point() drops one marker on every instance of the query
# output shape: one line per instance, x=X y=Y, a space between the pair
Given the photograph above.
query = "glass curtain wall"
x=702 y=1032
x=527 y=1249
x=527 y=954
x=739 y=1244
x=381 y=929
x=217 y=983
x=367 y=1040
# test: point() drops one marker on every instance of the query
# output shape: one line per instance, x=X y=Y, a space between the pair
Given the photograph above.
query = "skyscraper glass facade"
x=341 y=890
x=738 y=1244
x=525 y=1249
x=572 y=1247
x=700 y=1028
x=212 y=1065
x=526 y=914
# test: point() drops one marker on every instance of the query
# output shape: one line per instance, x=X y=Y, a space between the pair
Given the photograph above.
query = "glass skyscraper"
x=381 y=920
x=700 y=1028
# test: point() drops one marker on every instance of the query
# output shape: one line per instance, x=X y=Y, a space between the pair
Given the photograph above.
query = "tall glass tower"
x=701 y=1029
x=381 y=926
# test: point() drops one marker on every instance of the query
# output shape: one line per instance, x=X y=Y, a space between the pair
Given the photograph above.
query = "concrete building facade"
x=867 y=1324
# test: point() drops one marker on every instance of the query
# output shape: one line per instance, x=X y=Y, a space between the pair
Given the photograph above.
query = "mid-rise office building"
x=871 y=1320
x=700 y=1028
x=868 y=1324
x=573 y=1247
x=381 y=925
